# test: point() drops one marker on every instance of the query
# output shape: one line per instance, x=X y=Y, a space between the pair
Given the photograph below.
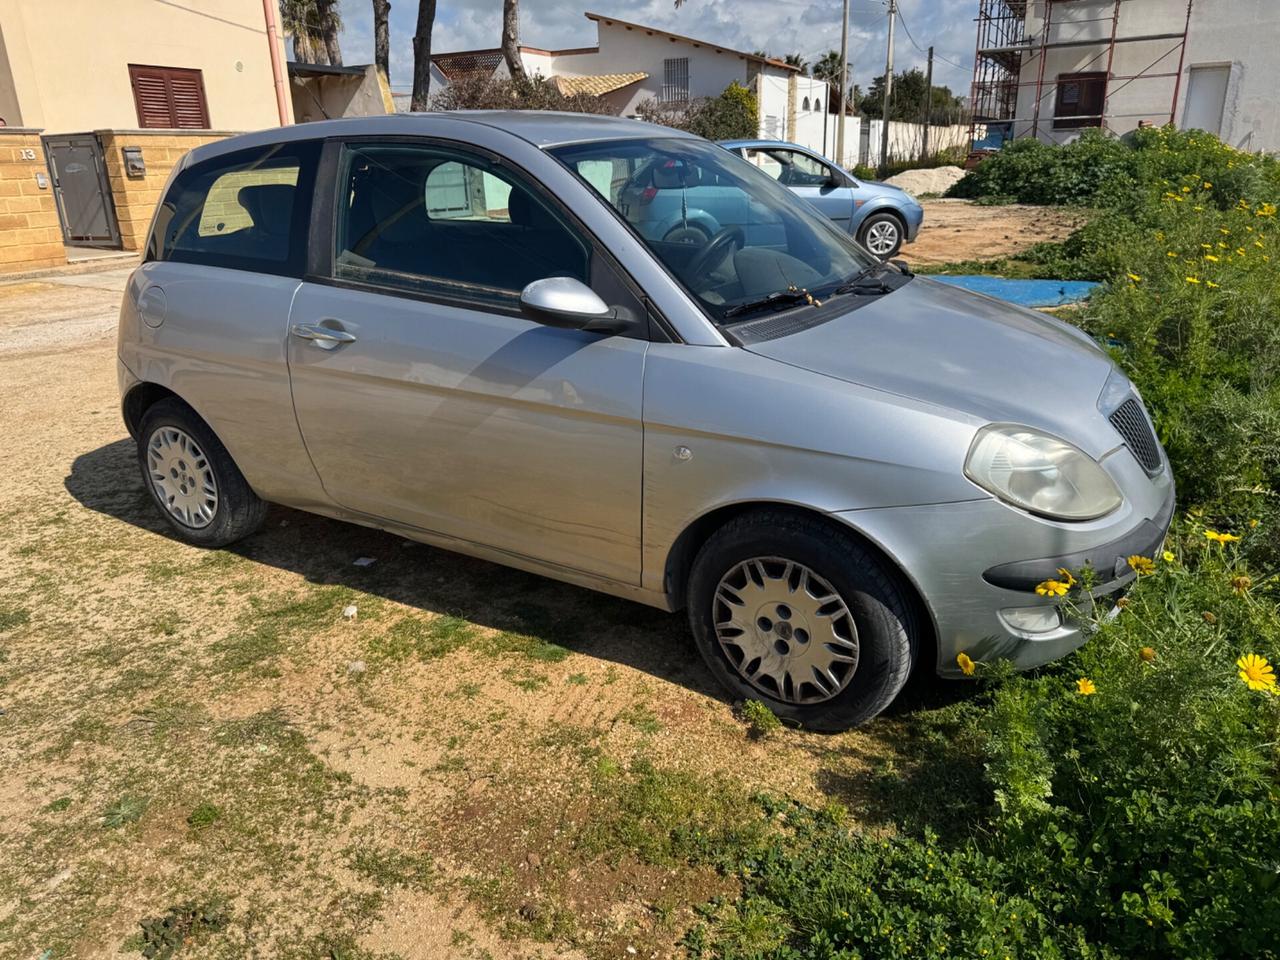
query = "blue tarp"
x=1025 y=293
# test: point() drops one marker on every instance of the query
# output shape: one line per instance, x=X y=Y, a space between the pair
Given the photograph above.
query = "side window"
x=766 y=162
x=800 y=169
x=246 y=210
x=433 y=220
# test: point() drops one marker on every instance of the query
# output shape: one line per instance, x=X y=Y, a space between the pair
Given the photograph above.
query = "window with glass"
x=675 y=80
x=246 y=210
x=730 y=233
x=435 y=220
x=791 y=168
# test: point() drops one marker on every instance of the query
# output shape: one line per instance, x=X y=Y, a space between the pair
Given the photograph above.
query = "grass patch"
x=203 y=816
x=13 y=617
x=128 y=809
x=761 y=722
x=427 y=638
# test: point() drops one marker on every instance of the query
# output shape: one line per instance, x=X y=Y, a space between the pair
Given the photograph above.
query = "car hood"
x=970 y=353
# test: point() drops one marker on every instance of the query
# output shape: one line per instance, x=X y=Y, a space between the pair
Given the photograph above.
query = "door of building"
x=82 y=190
x=1206 y=96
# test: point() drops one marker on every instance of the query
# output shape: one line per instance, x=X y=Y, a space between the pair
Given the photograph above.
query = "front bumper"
x=957 y=554
x=914 y=215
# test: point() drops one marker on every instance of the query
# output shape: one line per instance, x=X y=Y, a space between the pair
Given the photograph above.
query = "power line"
x=936 y=56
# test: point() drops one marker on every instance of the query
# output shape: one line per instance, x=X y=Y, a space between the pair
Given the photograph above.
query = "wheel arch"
x=141 y=398
x=681 y=555
x=883 y=206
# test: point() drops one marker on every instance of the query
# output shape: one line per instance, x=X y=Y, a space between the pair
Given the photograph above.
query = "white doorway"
x=1206 y=97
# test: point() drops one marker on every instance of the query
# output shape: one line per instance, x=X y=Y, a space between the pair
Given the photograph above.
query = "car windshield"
x=737 y=240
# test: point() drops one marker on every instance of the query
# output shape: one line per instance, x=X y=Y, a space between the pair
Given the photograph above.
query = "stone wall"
x=30 y=237
x=136 y=197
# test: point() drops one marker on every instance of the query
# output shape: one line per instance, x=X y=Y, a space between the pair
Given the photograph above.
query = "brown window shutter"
x=169 y=97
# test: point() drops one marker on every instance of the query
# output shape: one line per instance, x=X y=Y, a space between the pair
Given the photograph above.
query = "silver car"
x=448 y=326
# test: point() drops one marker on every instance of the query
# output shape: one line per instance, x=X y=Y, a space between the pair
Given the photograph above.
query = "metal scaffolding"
x=1005 y=54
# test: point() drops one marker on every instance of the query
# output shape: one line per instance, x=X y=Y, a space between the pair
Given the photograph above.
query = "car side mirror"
x=570 y=304
x=834 y=179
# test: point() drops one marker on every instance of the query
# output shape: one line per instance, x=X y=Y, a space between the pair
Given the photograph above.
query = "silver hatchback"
x=450 y=326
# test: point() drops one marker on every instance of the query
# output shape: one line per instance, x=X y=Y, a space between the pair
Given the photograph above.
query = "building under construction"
x=1049 y=68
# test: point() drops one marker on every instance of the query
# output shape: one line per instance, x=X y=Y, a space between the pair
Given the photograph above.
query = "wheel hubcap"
x=785 y=630
x=182 y=477
x=882 y=237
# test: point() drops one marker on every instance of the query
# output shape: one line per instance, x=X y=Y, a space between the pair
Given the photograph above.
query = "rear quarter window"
x=247 y=210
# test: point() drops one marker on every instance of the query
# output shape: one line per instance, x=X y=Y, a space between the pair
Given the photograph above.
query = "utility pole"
x=928 y=106
x=888 y=89
x=844 y=78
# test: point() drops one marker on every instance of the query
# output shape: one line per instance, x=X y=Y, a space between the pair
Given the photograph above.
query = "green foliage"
x=1137 y=822
x=907 y=101
x=126 y=810
x=164 y=936
x=734 y=114
x=9 y=619
x=204 y=815
x=761 y=722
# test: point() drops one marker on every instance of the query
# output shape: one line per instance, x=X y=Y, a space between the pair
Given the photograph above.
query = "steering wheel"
x=717 y=249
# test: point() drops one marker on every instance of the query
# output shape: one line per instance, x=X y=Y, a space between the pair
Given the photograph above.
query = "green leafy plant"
x=761 y=722
x=128 y=809
x=184 y=923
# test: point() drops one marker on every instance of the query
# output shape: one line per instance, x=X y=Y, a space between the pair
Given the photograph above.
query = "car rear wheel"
x=803 y=618
x=881 y=233
x=199 y=490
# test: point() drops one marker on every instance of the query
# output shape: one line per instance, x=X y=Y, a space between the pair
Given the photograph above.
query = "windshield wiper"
x=779 y=298
x=865 y=282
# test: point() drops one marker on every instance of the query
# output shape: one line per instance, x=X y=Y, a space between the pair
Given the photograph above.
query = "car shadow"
x=324 y=551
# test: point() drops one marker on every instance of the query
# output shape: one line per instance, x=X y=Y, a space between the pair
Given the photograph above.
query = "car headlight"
x=1040 y=473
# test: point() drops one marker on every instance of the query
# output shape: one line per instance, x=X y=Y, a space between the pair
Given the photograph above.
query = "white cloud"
x=808 y=27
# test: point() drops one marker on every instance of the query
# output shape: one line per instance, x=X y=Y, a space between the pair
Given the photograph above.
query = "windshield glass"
x=738 y=241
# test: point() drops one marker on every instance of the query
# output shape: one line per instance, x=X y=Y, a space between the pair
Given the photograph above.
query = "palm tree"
x=422 y=55
x=382 y=38
x=828 y=68
x=797 y=60
x=314 y=27
x=511 y=41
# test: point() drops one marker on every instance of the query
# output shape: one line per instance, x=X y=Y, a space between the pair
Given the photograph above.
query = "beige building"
x=67 y=66
x=101 y=97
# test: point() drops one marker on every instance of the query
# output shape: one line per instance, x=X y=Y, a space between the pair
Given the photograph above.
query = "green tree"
x=908 y=100
x=828 y=68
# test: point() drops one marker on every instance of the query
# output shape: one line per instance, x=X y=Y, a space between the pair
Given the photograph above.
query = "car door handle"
x=326 y=337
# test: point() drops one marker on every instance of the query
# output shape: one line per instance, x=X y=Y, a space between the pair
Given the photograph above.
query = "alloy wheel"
x=882 y=237
x=182 y=477
x=786 y=630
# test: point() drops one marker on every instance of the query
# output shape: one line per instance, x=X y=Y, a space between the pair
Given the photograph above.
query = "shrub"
x=734 y=114
x=761 y=722
x=480 y=92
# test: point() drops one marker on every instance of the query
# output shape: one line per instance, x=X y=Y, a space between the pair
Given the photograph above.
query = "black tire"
x=884 y=219
x=239 y=511
x=879 y=605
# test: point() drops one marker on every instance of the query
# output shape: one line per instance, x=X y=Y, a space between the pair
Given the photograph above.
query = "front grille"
x=1132 y=425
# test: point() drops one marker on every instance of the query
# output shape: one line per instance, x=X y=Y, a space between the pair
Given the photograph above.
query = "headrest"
x=269 y=205
x=527 y=212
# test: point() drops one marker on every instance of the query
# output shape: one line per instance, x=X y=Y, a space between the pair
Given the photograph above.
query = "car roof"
x=763 y=143
x=542 y=128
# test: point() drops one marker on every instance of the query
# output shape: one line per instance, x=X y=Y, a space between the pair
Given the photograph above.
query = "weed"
x=128 y=809
x=204 y=815
x=640 y=716
x=762 y=722
x=11 y=618
x=189 y=922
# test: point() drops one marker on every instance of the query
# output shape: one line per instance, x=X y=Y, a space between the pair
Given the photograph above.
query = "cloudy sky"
x=808 y=27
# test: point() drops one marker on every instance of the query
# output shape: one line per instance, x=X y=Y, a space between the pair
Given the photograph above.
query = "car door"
x=426 y=398
x=806 y=176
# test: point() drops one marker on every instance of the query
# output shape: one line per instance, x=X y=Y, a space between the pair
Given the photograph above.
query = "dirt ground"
x=956 y=230
x=478 y=764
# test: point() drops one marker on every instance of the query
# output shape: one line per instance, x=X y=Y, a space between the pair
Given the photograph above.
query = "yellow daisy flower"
x=1256 y=673
x=1134 y=277
x=966 y=664
x=1086 y=688
x=1168 y=556
x=1142 y=565
x=1052 y=588
x=1220 y=538
x=1147 y=654
x=1065 y=576
x=1192 y=280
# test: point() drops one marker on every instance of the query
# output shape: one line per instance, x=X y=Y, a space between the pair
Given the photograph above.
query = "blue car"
x=881 y=217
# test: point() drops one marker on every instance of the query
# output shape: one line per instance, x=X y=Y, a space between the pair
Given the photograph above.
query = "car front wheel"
x=881 y=233
x=802 y=617
x=192 y=479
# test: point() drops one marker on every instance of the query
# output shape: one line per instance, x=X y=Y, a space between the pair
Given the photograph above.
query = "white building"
x=1051 y=68
x=632 y=63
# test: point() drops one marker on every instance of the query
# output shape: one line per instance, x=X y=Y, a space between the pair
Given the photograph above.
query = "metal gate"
x=82 y=190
